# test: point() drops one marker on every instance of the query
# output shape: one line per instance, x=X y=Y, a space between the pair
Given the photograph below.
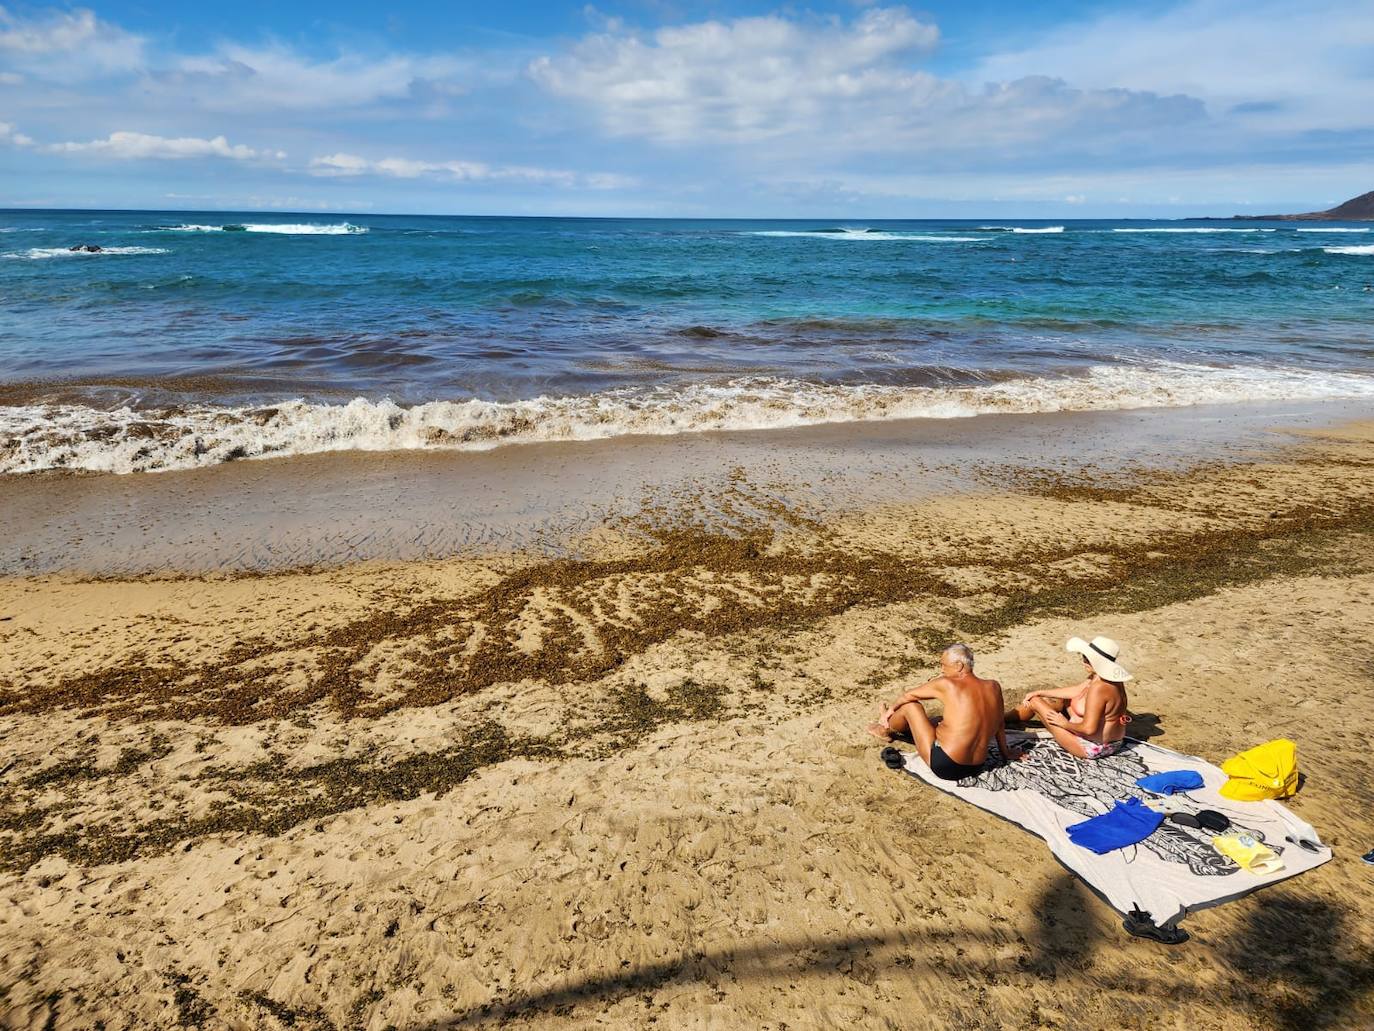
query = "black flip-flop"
x=1139 y=924
x=1211 y=820
x=893 y=758
x=1184 y=820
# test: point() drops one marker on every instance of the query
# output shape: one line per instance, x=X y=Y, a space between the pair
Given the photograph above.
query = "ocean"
x=191 y=339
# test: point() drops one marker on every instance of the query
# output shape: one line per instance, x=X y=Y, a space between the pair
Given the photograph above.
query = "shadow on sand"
x=1300 y=949
x=1294 y=971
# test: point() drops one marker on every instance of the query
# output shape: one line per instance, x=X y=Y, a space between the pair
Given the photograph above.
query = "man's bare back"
x=958 y=746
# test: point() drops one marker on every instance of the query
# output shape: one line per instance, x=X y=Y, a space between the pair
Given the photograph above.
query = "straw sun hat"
x=1101 y=653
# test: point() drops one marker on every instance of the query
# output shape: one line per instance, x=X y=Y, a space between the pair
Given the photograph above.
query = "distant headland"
x=1357 y=209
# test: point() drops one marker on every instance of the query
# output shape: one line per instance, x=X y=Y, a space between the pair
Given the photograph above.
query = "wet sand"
x=332 y=509
x=624 y=782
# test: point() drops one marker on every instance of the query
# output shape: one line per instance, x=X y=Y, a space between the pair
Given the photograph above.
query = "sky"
x=1062 y=108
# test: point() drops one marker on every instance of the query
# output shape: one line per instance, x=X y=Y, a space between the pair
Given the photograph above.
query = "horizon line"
x=317 y=213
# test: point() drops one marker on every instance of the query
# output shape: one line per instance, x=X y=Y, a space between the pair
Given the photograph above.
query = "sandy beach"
x=604 y=765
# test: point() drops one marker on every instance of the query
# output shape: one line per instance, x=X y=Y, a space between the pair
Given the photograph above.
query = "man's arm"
x=929 y=691
x=1007 y=752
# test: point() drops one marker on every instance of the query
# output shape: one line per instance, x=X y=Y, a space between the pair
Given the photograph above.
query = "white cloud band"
x=463 y=171
x=143 y=146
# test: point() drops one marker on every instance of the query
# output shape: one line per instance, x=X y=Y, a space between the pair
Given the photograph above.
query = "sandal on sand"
x=1139 y=924
x=893 y=758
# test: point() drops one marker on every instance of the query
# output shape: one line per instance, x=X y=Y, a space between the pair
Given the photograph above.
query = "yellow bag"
x=1269 y=770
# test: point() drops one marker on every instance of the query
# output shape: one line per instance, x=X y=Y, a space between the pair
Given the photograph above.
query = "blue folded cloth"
x=1127 y=823
x=1168 y=783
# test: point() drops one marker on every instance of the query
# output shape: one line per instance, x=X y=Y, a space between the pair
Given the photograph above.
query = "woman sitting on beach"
x=1089 y=719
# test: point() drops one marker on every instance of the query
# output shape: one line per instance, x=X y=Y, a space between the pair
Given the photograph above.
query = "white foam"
x=304 y=229
x=1362 y=249
x=866 y=234
x=1331 y=229
x=1193 y=229
x=1023 y=229
x=286 y=228
x=41 y=253
x=35 y=437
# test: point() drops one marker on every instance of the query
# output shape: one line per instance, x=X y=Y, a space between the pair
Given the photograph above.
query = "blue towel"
x=1128 y=822
x=1168 y=783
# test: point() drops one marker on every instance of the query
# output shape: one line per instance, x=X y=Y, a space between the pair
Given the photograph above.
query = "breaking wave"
x=1361 y=249
x=1022 y=229
x=67 y=436
x=1191 y=229
x=286 y=228
x=864 y=234
x=41 y=253
x=1332 y=229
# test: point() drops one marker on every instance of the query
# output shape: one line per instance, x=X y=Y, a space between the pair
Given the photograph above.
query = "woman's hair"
x=1120 y=684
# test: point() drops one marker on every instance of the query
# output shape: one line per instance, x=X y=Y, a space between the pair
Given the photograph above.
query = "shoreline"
x=330 y=510
x=628 y=781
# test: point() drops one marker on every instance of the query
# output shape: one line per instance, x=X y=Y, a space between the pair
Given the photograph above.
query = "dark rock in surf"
x=89 y=248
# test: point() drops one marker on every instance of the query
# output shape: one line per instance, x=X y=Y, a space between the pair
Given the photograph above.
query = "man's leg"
x=911 y=718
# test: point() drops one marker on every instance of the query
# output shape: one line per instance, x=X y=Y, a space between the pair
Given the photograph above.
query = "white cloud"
x=141 y=146
x=74 y=42
x=1202 y=191
x=404 y=168
x=610 y=181
x=340 y=164
x=463 y=171
x=1277 y=64
x=826 y=90
x=237 y=77
x=746 y=79
x=12 y=136
x=60 y=47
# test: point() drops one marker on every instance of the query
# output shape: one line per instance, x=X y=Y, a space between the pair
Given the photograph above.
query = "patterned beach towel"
x=1171 y=872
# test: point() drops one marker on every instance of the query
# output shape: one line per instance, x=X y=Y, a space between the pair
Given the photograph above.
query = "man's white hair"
x=959 y=653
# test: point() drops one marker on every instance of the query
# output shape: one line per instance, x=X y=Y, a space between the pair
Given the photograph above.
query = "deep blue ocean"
x=194 y=338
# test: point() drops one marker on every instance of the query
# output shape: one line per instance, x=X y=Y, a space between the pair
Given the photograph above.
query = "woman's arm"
x=1094 y=711
x=1064 y=693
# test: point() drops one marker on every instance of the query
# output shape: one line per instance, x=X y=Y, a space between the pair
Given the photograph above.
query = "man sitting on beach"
x=957 y=746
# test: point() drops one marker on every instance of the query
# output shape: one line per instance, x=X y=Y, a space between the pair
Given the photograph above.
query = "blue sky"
x=652 y=107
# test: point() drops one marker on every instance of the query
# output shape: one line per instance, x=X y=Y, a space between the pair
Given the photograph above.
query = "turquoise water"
x=191 y=338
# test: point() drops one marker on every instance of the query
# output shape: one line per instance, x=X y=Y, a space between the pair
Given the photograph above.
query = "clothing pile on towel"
x=1170 y=781
x=1128 y=822
x=1131 y=821
x=1176 y=866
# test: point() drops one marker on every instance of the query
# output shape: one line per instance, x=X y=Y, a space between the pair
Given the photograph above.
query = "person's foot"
x=881 y=729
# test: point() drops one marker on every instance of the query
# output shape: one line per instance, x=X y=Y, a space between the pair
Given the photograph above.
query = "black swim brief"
x=947 y=769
